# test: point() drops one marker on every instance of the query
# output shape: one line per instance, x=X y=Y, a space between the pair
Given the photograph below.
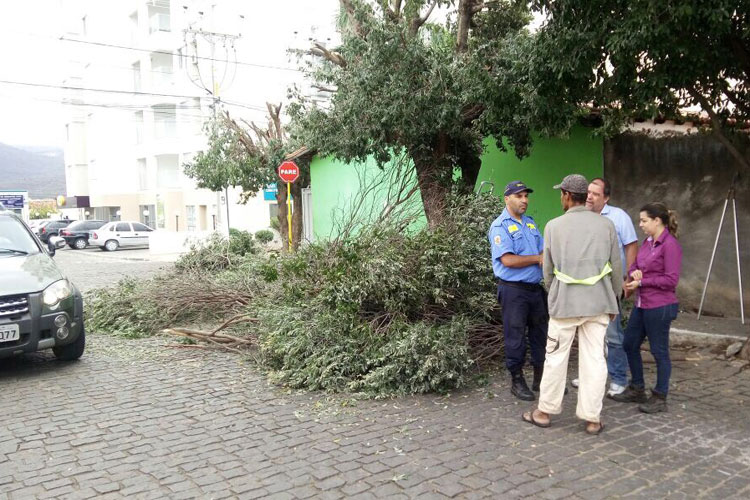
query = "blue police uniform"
x=523 y=299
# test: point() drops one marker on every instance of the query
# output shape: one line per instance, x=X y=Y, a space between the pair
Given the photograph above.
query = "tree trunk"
x=281 y=203
x=433 y=176
x=470 y=163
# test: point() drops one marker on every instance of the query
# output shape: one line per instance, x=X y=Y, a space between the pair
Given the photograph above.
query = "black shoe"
x=520 y=389
x=538 y=371
x=655 y=404
x=631 y=395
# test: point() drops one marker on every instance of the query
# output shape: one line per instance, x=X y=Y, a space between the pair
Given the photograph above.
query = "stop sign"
x=288 y=171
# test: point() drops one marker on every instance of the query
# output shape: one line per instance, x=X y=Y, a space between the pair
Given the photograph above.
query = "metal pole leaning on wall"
x=730 y=195
x=481 y=185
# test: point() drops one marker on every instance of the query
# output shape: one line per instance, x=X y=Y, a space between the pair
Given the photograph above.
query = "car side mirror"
x=51 y=249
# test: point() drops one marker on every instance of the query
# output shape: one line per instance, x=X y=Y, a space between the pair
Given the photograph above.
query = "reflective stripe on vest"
x=592 y=280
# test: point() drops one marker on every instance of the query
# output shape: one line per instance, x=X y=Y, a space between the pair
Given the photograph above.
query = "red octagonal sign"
x=288 y=171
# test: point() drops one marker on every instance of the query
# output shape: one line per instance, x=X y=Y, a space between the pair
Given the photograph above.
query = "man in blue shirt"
x=516 y=246
x=597 y=201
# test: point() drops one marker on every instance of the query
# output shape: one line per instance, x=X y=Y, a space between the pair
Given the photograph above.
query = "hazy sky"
x=32 y=52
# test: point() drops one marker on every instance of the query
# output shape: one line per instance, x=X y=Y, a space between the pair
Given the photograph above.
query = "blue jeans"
x=654 y=324
x=617 y=360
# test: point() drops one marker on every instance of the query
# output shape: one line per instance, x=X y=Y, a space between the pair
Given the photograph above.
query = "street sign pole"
x=289 y=172
x=289 y=211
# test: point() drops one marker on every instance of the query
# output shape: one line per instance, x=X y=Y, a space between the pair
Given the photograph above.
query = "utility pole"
x=212 y=38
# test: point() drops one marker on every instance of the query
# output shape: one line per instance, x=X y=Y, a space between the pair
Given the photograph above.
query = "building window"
x=137 y=77
x=165 y=121
x=143 y=183
x=162 y=71
x=190 y=217
x=167 y=171
x=139 y=127
x=158 y=16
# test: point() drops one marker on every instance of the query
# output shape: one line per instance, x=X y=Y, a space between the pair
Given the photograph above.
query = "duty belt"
x=591 y=280
x=521 y=284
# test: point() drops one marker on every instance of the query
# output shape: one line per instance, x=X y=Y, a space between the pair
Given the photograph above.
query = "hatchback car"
x=77 y=234
x=39 y=307
x=114 y=235
x=52 y=228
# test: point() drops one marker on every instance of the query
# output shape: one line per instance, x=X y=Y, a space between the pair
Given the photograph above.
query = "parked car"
x=52 y=228
x=35 y=224
x=39 y=307
x=77 y=234
x=114 y=235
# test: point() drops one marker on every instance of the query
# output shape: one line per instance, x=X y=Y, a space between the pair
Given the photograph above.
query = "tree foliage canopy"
x=400 y=83
x=649 y=57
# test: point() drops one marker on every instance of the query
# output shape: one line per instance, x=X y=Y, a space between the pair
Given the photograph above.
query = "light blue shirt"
x=625 y=230
x=509 y=235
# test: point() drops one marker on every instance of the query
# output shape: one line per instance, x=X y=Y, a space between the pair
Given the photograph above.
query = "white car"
x=114 y=235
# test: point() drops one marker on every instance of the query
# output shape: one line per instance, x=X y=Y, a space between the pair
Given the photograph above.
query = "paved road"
x=138 y=418
x=141 y=419
x=93 y=268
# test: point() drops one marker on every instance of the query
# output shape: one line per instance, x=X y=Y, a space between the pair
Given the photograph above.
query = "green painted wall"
x=334 y=184
x=550 y=160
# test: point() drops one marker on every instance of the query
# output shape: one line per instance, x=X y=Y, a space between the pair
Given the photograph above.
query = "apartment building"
x=141 y=118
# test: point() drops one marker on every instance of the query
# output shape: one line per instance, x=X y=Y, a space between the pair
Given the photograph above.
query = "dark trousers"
x=523 y=309
x=654 y=324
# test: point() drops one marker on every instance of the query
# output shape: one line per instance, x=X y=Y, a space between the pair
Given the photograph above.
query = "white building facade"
x=141 y=118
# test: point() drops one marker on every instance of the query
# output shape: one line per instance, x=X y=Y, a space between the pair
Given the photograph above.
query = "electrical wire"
x=166 y=52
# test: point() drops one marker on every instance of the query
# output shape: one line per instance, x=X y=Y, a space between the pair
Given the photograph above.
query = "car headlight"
x=56 y=293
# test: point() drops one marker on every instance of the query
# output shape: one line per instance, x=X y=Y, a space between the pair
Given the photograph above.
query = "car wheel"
x=80 y=243
x=73 y=351
x=111 y=245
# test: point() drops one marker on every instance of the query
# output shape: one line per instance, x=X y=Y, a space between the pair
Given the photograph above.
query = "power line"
x=169 y=53
x=128 y=92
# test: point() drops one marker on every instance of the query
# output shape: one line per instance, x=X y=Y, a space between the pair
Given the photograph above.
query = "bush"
x=216 y=252
x=264 y=236
x=385 y=312
x=275 y=223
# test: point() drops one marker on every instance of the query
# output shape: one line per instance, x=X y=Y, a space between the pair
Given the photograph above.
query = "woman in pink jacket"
x=653 y=278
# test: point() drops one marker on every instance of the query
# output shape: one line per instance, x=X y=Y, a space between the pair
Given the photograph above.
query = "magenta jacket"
x=660 y=262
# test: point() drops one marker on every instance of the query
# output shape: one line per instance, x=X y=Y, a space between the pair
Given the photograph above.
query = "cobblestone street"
x=93 y=268
x=147 y=419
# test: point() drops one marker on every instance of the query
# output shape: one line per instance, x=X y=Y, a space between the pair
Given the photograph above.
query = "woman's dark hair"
x=658 y=210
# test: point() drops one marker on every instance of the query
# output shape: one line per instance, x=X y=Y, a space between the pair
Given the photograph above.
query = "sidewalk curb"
x=681 y=335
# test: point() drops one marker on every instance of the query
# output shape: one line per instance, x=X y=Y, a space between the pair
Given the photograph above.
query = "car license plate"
x=9 y=333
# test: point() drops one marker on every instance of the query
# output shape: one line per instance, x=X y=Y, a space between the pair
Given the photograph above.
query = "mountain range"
x=39 y=170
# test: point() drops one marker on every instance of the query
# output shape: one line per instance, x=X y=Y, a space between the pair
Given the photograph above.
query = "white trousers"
x=592 y=365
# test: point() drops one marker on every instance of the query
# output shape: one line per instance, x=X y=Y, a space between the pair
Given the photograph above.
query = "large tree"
x=401 y=84
x=247 y=156
x=648 y=58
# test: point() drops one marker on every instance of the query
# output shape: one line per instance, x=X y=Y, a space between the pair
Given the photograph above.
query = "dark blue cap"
x=514 y=187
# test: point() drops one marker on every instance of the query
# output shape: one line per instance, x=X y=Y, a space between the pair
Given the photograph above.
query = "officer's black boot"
x=538 y=371
x=519 y=388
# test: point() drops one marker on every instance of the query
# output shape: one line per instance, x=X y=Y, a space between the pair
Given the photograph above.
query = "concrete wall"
x=691 y=174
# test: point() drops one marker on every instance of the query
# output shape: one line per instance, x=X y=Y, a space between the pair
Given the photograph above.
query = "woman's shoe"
x=655 y=404
x=631 y=395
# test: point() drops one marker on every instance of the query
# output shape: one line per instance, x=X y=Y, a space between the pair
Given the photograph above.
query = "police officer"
x=516 y=244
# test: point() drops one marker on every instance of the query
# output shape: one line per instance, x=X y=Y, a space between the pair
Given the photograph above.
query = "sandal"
x=597 y=431
x=528 y=416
